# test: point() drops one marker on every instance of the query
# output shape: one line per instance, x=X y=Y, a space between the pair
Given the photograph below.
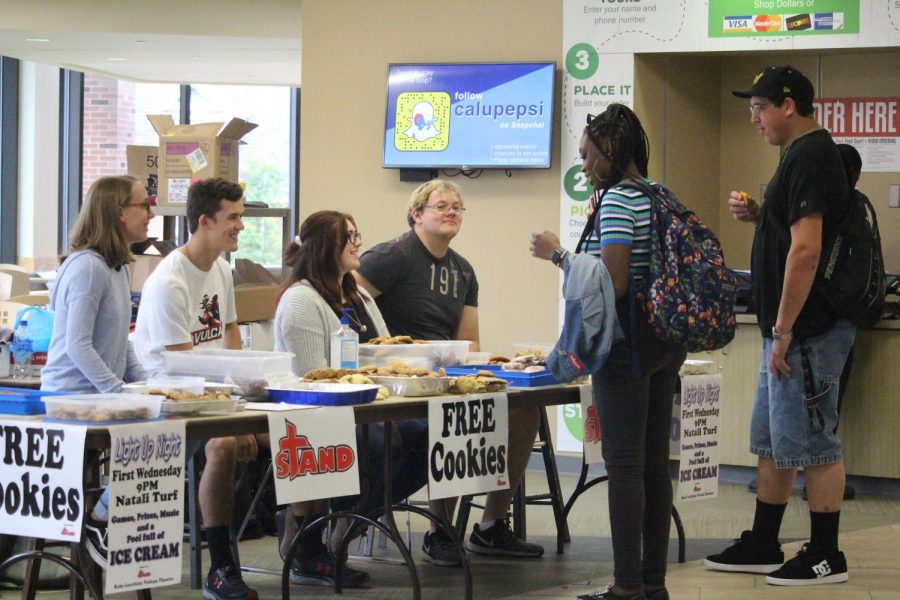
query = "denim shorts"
x=794 y=417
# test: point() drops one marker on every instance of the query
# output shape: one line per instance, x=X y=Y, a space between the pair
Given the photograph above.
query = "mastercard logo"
x=768 y=23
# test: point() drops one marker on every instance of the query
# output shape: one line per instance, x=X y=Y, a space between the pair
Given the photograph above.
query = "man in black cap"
x=805 y=344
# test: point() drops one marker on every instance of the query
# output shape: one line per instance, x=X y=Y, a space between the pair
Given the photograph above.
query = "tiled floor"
x=870 y=538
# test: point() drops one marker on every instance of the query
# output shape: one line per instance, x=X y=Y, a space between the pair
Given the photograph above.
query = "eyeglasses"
x=758 y=107
x=354 y=237
x=442 y=208
x=145 y=205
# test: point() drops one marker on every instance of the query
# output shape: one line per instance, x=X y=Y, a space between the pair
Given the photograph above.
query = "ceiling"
x=127 y=41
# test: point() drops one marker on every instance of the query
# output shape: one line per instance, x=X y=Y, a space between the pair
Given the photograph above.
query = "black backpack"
x=851 y=274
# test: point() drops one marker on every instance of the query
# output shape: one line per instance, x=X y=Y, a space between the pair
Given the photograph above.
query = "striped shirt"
x=625 y=219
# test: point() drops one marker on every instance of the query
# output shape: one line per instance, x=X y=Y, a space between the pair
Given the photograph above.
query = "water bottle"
x=21 y=351
x=345 y=345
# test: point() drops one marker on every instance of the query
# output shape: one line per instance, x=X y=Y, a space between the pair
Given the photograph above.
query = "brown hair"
x=323 y=236
x=205 y=198
x=98 y=227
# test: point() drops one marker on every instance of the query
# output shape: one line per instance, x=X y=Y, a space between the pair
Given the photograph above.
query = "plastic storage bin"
x=325 y=394
x=219 y=364
x=173 y=383
x=103 y=408
x=18 y=401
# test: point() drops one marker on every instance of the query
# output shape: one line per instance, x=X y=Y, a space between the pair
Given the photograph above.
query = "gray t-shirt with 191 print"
x=421 y=296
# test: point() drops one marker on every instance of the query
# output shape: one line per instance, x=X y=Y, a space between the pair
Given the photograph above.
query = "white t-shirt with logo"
x=180 y=304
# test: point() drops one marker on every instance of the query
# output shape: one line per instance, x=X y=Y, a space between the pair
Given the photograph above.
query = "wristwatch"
x=782 y=337
x=558 y=256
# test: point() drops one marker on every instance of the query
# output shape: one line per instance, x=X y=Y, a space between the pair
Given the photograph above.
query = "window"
x=9 y=157
x=115 y=117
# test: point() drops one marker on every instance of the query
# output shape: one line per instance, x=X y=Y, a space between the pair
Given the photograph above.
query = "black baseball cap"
x=780 y=82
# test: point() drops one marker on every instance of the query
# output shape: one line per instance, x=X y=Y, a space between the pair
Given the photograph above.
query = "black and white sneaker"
x=811 y=567
x=499 y=540
x=440 y=550
x=746 y=557
x=226 y=583
x=320 y=569
x=97 y=539
x=607 y=594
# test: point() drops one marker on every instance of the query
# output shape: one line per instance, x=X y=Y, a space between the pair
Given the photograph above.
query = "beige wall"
x=347 y=46
x=702 y=144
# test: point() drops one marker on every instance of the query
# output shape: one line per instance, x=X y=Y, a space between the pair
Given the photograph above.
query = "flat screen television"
x=469 y=116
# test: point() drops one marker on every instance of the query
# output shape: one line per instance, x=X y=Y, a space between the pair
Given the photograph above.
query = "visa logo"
x=737 y=24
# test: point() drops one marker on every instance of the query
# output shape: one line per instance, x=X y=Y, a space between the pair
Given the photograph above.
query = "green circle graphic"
x=582 y=61
x=571 y=414
x=578 y=188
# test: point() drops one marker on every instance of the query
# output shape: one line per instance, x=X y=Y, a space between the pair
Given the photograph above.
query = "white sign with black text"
x=468 y=441
x=698 y=474
x=314 y=453
x=41 y=489
x=146 y=505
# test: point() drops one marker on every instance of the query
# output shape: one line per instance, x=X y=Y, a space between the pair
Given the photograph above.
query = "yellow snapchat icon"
x=422 y=121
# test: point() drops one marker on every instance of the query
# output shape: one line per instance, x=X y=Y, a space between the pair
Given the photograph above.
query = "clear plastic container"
x=171 y=383
x=223 y=365
x=478 y=358
x=103 y=408
x=541 y=349
x=439 y=353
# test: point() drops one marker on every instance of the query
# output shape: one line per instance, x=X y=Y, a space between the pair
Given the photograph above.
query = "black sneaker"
x=746 y=557
x=226 y=583
x=499 y=540
x=319 y=569
x=657 y=594
x=811 y=567
x=440 y=550
x=96 y=533
x=607 y=594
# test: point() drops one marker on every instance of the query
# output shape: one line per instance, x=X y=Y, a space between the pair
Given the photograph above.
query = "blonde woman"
x=91 y=303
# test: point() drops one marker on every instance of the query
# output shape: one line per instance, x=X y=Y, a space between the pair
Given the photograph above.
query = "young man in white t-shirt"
x=188 y=302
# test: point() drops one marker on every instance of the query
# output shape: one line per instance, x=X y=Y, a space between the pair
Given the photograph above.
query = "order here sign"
x=859 y=117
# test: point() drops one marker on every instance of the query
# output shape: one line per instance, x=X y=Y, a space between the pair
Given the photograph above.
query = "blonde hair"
x=419 y=197
x=98 y=227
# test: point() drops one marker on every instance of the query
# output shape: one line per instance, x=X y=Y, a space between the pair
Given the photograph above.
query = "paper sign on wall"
x=314 y=454
x=146 y=505
x=41 y=491
x=698 y=474
x=468 y=445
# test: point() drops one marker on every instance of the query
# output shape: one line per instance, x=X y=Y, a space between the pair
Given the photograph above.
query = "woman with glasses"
x=312 y=299
x=91 y=303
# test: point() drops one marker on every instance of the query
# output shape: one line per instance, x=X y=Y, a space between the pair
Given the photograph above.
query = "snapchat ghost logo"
x=422 y=122
x=428 y=116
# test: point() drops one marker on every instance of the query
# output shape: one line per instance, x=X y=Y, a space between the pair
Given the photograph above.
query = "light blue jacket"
x=590 y=326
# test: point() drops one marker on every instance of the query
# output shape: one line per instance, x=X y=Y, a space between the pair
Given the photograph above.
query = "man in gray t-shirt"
x=426 y=290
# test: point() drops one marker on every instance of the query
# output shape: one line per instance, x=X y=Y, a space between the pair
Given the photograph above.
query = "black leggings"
x=636 y=419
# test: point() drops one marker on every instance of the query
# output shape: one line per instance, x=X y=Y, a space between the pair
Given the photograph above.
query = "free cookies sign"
x=41 y=491
x=314 y=454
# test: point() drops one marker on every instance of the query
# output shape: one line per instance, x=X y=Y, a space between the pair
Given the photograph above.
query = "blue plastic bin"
x=334 y=394
x=515 y=378
x=21 y=401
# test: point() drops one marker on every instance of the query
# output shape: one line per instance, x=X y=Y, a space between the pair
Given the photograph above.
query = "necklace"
x=351 y=314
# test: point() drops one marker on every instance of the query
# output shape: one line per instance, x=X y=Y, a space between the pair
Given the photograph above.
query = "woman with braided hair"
x=633 y=391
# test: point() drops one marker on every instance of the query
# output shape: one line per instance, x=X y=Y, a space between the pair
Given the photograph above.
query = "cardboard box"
x=255 y=302
x=144 y=264
x=197 y=151
x=142 y=165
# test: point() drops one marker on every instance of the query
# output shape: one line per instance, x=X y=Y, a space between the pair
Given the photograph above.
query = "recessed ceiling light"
x=116 y=59
x=38 y=40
